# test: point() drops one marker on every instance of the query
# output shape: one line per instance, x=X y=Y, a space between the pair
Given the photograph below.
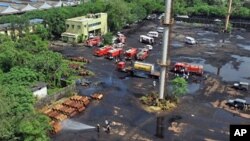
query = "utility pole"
x=166 y=23
x=228 y=15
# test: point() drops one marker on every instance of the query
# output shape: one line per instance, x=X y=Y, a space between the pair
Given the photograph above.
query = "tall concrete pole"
x=166 y=24
x=228 y=15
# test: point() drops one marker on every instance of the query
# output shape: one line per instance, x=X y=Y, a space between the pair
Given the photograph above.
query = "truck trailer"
x=139 y=69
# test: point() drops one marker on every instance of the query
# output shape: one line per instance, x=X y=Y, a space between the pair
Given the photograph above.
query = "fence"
x=49 y=99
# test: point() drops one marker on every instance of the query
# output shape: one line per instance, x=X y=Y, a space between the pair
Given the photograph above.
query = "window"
x=94 y=24
x=72 y=26
x=67 y=25
x=78 y=27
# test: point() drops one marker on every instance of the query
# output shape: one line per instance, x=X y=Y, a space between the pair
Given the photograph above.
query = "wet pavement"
x=129 y=121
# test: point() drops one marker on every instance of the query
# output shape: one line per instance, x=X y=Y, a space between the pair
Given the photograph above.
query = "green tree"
x=179 y=86
x=32 y=44
x=108 y=38
x=55 y=22
x=21 y=76
x=41 y=31
x=118 y=13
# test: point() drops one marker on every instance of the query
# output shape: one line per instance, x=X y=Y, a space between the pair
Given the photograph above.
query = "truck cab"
x=241 y=86
x=237 y=103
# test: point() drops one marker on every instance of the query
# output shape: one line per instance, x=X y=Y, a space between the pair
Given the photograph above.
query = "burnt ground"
x=201 y=114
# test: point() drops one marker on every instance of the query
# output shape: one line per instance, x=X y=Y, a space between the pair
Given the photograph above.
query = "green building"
x=79 y=28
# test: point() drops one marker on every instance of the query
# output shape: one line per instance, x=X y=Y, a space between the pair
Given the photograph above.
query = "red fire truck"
x=114 y=53
x=93 y=41
x=188 y=67
x=103 y=51
x=130 y=53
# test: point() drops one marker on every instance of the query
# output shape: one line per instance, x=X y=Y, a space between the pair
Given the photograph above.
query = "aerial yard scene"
x=142 y=70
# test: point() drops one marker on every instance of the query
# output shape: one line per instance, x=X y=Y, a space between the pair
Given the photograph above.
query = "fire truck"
x=183 y=67
x=142 y=54
x=130 y=53
x=139 y=69
x=93 y=41
x=103 y=51
x=114 y=53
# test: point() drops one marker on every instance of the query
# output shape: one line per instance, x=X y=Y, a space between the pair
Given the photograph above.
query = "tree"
x=19 y=121
x=179 y=86
x=55 y=22
x=108 y=38
x=8 y=54
x=32 y=44
x=41 y=31
x=20 y=76
x=118 y=13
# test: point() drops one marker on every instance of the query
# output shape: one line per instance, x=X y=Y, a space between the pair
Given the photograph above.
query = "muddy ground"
x=201 y=114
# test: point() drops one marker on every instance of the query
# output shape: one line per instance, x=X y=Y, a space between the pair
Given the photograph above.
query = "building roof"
x=28 y=7
x=9 y=10
x=45 y=5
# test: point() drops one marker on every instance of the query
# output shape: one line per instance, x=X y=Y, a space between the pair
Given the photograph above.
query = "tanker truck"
x=139 y=69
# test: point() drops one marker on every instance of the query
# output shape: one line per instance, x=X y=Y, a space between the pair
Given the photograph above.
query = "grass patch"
x=152 y=103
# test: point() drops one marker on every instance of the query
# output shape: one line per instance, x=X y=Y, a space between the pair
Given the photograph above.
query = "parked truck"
x=93 y=41
x=114 y=53
x=103 y=51
x=183 y=67
x=142 y=54
x=139 y=69
x=130 y=53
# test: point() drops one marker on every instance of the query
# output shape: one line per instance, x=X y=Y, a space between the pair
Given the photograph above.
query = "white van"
x=154 y=34
x=146 y=39
x=190 y=40
x=160 y=29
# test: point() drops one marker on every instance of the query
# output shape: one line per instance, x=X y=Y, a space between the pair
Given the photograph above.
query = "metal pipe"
x=166 y=23
x=228 y=15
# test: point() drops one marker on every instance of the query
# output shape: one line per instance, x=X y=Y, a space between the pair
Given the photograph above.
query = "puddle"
x=244 y=46
x=226 y=116
x=206 y=33
x=238 y=37
x=177 y=44
x=212 y=45
x=193 y=87
x=228 y=72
